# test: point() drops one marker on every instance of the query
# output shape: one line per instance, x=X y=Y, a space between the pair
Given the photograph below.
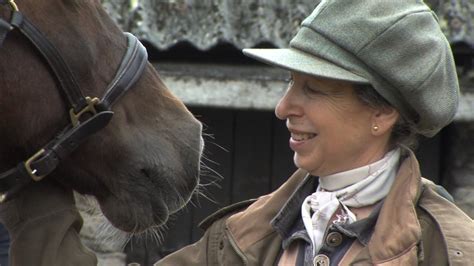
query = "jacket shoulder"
x=456 y=228
x=228 y=210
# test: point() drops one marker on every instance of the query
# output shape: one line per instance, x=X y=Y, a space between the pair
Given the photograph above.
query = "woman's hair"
x=403 y=131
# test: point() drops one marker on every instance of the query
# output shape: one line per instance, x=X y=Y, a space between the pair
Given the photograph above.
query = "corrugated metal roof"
x=247 y=23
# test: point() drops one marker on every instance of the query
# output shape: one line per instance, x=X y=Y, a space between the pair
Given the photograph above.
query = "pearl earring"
x=376 y=128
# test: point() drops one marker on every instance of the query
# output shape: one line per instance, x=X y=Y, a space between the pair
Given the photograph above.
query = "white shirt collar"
x=344 y=179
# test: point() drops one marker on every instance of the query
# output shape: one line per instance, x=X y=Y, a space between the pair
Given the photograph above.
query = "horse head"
x=142 y=166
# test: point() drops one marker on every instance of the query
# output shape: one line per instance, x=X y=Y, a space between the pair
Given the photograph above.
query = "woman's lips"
x=302 y=136
x=298 y=139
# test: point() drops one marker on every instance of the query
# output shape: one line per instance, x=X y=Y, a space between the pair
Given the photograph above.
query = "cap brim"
x=296 y=60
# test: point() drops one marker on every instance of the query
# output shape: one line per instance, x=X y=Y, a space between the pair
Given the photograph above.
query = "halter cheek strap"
x=61 y=70
x=45 y=161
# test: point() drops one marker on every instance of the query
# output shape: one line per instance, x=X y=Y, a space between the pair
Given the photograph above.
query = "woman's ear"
x=383 y=120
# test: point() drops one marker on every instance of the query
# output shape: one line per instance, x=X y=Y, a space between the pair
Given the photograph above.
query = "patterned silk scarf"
x=358 y=187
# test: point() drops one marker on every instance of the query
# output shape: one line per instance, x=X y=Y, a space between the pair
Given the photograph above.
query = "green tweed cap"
x=395 y=45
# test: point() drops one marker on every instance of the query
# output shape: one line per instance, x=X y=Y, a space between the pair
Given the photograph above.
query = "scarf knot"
x=359 y=187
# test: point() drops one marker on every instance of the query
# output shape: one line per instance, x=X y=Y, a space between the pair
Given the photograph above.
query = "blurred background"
x=196 y=47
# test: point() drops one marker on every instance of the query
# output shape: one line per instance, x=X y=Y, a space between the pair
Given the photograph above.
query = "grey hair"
x=404 y=131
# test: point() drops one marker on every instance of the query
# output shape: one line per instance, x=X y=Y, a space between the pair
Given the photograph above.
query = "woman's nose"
x=281 y=109
x=287 y=106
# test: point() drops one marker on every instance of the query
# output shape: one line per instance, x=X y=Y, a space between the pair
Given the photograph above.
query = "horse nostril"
x=145 y=172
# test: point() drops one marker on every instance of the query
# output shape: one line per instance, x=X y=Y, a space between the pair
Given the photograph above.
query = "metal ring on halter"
x=13 y=5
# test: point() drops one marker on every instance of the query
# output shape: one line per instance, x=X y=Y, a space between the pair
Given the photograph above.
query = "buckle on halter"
x=90 y=108
x=13 y=5
x=3 y=197
x=32 y=172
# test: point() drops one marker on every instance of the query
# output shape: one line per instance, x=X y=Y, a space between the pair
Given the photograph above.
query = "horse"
x=141 y=160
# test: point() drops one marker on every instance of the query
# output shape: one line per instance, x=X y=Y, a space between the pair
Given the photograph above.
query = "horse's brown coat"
x=144 y=164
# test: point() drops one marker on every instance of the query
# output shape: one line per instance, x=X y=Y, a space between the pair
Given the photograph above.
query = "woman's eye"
x=310 y=90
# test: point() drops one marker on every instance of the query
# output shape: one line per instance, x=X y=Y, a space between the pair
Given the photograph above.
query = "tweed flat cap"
x=395 y=45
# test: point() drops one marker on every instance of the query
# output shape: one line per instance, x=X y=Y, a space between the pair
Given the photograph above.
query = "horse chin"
x=138 y=210
x=133 y=217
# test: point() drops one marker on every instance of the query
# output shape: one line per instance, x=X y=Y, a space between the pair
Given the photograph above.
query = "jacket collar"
x=253 y=224
x=396 y=233
x=397 y=230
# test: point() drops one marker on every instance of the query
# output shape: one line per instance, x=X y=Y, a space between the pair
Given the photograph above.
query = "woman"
x=367 y=77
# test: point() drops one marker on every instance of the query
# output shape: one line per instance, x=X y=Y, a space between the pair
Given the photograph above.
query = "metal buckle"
x=32 y=172
x=13 y=5
x=90 y=108
x=3 y=197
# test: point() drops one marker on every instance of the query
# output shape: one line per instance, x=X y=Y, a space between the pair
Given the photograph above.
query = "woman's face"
x=331 y=129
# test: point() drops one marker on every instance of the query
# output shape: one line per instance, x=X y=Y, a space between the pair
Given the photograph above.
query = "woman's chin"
x=302 y=162
x=310 y=165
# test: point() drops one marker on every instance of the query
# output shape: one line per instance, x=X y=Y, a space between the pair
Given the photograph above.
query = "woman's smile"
x=298 y=139
x=302 y=136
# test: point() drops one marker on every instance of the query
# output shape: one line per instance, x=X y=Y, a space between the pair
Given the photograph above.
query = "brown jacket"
x=415 y=226
x=44 y=227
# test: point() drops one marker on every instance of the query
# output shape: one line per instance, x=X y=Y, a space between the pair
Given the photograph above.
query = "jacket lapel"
x=252 y=225
x=397 y=231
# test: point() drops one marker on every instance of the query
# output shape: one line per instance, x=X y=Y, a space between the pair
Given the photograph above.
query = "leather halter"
x=98 y=111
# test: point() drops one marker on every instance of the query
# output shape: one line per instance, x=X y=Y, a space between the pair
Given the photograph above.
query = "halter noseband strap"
x=48 y=158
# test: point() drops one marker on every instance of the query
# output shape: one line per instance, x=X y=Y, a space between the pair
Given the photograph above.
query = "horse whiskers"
x=201 y=193
x=144 y=234
x=210 y=184
x=209 y=135
x=206 y=170
x=207 y=139
x=204 y=157
x=217 y=145
x=155 y=233
x=212 y=179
